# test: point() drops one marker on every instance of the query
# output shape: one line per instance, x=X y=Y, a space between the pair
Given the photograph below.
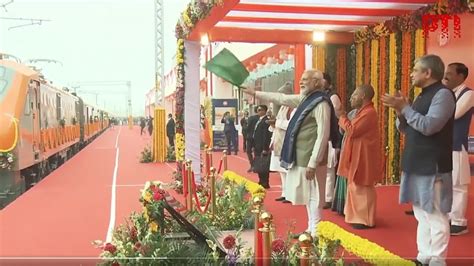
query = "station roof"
x=293 y=21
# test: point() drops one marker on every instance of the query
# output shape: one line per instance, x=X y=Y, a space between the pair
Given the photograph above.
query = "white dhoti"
x=311 y=193
x=275 y=166
x=461 y=181
x=432 y=234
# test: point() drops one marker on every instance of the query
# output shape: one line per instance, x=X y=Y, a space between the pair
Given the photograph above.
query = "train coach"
x=40 y=128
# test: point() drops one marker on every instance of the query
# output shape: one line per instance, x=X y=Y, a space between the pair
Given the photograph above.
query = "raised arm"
x=279 y=98
x=336 y=103
x=441 y=110
x=360 y=125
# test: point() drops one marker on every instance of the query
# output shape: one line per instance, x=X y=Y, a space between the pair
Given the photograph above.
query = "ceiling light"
x=204 y=39
x=319 y=36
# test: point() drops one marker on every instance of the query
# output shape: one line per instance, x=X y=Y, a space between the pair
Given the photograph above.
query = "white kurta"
x=281 y=124
x=299 y=190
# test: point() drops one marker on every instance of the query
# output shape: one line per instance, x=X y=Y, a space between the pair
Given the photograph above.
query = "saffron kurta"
x=361 y=162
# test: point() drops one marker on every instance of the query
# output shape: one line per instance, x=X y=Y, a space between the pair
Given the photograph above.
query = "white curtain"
x=192 y=107
x=308 y=56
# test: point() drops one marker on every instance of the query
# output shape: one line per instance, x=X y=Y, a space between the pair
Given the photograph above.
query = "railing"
x=263 y=227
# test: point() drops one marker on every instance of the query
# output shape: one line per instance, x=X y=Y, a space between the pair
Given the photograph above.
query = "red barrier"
x=198 y=203
x=220 y=166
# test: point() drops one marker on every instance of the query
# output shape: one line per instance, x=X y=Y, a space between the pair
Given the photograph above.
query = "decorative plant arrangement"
x=146 y=156
x=171 y=155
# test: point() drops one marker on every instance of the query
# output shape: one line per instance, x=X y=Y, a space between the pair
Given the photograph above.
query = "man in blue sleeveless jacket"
x=427 y=158
x=454 y=78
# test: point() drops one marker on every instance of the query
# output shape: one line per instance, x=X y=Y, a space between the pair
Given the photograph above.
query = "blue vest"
x=461 y=127
x=427 y=155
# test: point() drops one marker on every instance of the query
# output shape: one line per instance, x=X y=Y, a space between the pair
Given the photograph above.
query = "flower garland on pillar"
x=341 y=79
x=392 y=54
x=412 y=21
x=194 y=12
x=383 y=111
x=331 y=66
x=405 y=72
x=351 y=73
x=374 y=71
x=396 y=141
x=359 y=63
x=367 y=58
x=420 y=50
x=319 y=57
x=180 y=145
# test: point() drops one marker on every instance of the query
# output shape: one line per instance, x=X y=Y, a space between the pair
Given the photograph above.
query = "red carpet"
x=69 y=209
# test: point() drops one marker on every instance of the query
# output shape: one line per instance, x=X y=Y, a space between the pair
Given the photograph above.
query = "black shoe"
x=327 y=205
x=410 y=212
x=286 y=201
x=361 y=226
x=280 y=199
x=418 y=263
x=457 y=230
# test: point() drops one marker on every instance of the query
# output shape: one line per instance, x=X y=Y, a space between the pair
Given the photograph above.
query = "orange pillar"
x=299 y=65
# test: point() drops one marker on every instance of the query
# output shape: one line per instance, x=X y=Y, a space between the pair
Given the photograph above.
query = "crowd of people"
x=330 y=158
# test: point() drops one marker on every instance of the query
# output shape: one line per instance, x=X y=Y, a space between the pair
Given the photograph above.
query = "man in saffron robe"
x=361 y=159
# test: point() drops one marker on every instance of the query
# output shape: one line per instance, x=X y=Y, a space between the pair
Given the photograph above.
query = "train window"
x=58 y=107
x=3 y=82
x=28 y=104
x=3 y=86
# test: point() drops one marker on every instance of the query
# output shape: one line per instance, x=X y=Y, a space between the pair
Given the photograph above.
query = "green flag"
x=226 y=65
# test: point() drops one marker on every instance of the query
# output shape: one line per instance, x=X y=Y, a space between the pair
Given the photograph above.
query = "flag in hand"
x=227 y=66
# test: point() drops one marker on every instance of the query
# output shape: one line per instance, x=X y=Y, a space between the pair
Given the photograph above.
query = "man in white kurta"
x=306 y=183
x=454 y=78
x=278 y=127
x=333 y=154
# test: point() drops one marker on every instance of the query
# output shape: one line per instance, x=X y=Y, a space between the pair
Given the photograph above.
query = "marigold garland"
x=180 y=147
x=374 y=70
x=367 y=63
x=255 y=189
x=411 y=22
x=359 y=63
x=362 y=248
x=319 y=60
x=342 y=74
x=405 y=72
x=382 y=91
x=395 y=178
x=391 y=89
x=420 y=50
x=195 y=11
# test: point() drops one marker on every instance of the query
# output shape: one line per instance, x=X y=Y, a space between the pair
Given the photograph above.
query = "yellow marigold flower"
x=148 y=197
x=368 y=251
x=153 y=227
x=253 y=188
x=145 y=214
